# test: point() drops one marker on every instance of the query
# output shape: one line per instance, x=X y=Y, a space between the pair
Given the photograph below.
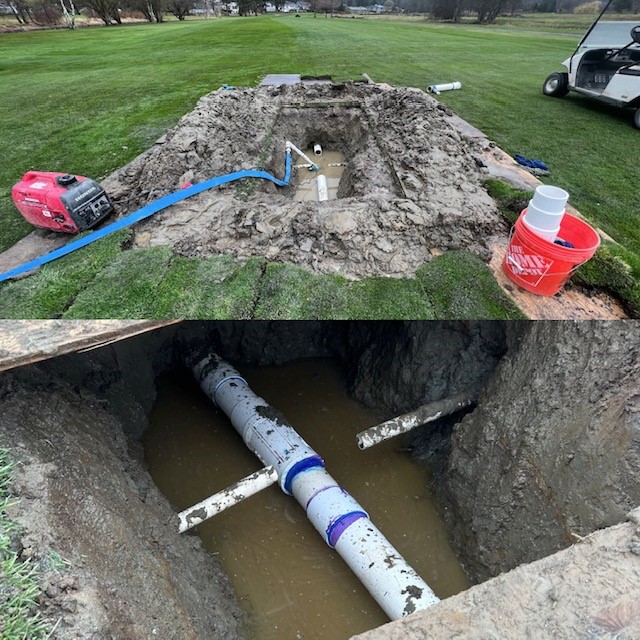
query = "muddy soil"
x=411 y=188
x=84 y=494
x=551 y=453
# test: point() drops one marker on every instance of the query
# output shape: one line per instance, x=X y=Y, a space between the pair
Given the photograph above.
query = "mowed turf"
x=88 y=101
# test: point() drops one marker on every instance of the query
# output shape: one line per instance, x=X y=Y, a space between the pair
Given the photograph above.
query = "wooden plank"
x=24 y=342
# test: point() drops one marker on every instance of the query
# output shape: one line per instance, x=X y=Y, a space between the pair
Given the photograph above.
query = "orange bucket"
x=543 y=267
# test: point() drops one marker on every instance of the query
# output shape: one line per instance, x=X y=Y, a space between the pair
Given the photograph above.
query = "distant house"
x=230 y=8
x=374 y=8
x=288 y=7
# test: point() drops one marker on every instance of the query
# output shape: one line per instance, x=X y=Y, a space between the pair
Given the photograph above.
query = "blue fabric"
x=533 y=164
x=145 y=212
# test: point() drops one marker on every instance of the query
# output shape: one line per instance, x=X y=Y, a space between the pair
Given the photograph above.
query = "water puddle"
x=290 y=583
x=331 y=165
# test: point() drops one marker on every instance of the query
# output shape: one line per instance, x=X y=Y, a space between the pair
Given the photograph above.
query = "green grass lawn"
x=88 y=101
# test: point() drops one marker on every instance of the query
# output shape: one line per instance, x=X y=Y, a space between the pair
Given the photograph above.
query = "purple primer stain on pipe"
x=329 y=486
x=339 y=526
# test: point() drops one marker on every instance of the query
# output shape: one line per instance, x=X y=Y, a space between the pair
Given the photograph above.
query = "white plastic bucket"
x=548 y=234
x=549 y=199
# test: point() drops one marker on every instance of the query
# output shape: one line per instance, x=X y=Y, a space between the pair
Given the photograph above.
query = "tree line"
x=109 y=11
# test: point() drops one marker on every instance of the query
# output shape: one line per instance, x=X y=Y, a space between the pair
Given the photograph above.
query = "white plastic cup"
x=541 y=219
x=548 y=234
x=550 y=199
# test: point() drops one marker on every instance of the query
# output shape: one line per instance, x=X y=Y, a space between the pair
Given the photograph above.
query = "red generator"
x=60 y=201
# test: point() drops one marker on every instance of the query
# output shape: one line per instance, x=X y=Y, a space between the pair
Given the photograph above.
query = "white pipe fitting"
x=317 y=149
x=335 y=514
x=304 y=156
x=545 y=211
x=439 y=88
x=323 y=189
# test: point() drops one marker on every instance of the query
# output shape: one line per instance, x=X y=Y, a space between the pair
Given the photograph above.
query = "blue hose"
x=145 y=212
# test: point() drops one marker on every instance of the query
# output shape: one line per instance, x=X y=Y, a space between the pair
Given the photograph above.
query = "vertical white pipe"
x=335 y=514
x=317 y=149
x=323 y=189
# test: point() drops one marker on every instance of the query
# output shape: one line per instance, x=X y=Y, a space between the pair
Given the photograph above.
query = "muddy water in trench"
x=290 y=583
x=307 y=187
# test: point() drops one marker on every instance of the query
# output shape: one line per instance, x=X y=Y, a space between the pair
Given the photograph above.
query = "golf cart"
x=605 y=66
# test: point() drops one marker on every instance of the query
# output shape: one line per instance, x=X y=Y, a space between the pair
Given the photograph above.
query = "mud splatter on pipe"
x=408 y=421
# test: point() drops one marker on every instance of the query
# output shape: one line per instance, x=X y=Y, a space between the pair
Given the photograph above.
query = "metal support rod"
x=422 y=415
x=226 y=498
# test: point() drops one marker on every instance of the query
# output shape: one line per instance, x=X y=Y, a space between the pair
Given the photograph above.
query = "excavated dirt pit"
x=513 y=475
x=77 y=422
x=411 y=187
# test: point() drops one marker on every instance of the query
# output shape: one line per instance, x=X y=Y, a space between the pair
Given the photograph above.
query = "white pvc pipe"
x=439 y=88
x=218 y=502
x=304 y=156
x=336 y=515
x=317 y=149
x=323 y=189
x=408 y=421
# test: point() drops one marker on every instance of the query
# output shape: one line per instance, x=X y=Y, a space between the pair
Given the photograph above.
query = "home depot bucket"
x=543 y=267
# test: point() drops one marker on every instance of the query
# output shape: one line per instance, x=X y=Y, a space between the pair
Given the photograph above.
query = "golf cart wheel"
x=556 y=85
x=636 y=119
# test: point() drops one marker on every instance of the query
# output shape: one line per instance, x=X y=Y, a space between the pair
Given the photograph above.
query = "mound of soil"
x=411 y=188
x=84 y=496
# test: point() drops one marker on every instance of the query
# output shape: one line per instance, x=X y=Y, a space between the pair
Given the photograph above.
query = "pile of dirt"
x=411 y=188
x=551 y=452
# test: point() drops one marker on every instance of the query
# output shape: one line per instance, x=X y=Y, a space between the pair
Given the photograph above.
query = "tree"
x=448 y=9
x=105 y=10
x=180 y=8
x=488 y=10
x=69 y=13
x=247 y=7
x=20 y=9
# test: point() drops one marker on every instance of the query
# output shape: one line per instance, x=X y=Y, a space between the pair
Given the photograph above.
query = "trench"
x=289 y=582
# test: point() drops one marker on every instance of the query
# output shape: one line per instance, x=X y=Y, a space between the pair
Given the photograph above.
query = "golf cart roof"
x=609 y=35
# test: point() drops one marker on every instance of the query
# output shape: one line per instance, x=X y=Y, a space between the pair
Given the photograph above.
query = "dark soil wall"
x=553 y=448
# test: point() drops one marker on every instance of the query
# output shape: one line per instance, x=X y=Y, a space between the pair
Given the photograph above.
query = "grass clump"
x=383 y=298
x=218 y=288
x=510 y=201
x=461 y=286
x=615 y=270
x=19 y=589
x=126 y=288
x=288 y=292
x=48 y=293
x=292 y=293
